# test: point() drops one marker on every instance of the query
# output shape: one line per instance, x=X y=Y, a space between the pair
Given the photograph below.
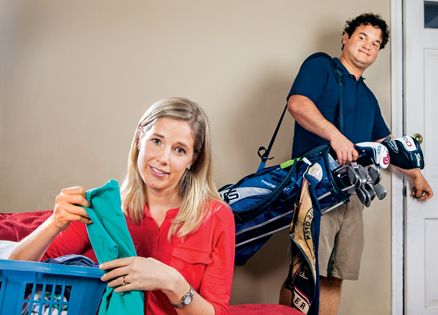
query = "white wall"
x=76 y=76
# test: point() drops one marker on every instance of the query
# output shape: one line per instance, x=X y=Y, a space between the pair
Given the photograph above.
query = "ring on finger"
x=124 y=281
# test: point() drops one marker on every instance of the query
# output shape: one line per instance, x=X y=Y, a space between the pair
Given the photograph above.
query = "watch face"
x=187 y=300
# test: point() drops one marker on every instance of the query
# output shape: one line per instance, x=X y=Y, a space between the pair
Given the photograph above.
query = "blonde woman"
x=182 y=231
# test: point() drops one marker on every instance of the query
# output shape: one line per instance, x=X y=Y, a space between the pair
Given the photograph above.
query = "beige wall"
x=77 y=75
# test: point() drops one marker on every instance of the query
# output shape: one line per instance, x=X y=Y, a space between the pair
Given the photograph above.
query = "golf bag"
x=263 y=202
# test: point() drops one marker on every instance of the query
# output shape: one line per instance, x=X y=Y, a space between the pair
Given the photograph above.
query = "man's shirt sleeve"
x=312 y=79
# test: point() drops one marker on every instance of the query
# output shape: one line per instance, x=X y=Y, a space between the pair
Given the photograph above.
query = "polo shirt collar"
x=345 y=71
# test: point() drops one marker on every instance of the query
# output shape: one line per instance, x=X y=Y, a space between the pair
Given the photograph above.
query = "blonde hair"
x=196 y=187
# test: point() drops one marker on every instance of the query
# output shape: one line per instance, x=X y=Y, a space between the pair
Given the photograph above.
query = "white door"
x=421 y=116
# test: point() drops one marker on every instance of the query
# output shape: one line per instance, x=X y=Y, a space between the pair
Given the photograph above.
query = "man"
x=314 y=103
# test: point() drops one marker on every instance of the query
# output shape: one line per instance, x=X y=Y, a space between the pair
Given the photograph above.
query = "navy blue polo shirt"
x=362 y=118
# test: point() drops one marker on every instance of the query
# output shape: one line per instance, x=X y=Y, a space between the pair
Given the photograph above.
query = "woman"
x=182 y=231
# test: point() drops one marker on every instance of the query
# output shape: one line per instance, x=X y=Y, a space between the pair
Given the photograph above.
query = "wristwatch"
x=186 y=299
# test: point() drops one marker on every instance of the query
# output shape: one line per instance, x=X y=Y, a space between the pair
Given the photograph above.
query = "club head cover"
x=380 y=191
x=405 y=152
x=373 y=153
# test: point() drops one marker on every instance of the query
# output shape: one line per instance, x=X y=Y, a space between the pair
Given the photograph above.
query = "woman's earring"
x=188 y=168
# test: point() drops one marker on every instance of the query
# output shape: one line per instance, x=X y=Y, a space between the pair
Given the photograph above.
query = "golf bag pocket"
x=326 y=188
x=262 y=203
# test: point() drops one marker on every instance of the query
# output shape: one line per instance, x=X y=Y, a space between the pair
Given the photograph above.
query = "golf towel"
x=303 y=279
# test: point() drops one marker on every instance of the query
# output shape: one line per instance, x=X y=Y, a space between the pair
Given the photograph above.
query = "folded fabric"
x=6 y=248
x=41 y=300
x=72 y=260
x=110 y=239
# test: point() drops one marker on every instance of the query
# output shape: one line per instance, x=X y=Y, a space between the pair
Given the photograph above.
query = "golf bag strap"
x=339 y=78
x=338 y=74
x=263 y=153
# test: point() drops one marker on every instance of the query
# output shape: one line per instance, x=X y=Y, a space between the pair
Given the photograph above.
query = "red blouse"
x=205 y=257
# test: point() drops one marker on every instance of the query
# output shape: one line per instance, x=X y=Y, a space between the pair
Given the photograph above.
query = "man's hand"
x=421 y=189
x=344 y=149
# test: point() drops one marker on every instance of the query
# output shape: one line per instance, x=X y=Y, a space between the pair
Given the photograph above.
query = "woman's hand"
x=69 y=207
x=139 y=273
x=149 y=274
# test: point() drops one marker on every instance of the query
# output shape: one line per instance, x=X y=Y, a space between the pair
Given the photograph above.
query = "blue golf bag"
x=263 y=202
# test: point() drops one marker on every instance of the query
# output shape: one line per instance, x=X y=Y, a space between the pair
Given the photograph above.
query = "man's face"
x=362 y=47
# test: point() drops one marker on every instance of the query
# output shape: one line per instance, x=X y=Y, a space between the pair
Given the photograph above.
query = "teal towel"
x=110 y=239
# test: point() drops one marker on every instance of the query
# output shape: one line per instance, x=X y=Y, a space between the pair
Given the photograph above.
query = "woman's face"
x=166 y=151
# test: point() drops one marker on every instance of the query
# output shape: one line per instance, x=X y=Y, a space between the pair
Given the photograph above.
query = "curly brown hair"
x=368 y=19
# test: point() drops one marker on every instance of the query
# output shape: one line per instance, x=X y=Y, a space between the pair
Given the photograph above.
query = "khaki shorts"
x=341 y=241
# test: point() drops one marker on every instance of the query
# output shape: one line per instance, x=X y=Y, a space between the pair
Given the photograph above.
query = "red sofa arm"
x=16 y=226
x=263 y=309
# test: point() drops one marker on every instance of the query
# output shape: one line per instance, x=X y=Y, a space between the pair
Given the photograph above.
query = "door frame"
x=398 y=204
x=398 y=187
